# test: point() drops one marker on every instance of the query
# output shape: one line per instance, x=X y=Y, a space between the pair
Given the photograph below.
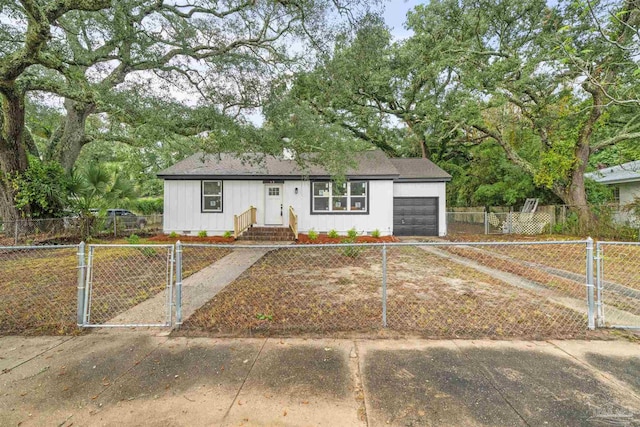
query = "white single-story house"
x=394 y=196
x=625 y=182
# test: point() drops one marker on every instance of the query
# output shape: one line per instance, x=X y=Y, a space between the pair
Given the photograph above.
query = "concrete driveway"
x=123 y=378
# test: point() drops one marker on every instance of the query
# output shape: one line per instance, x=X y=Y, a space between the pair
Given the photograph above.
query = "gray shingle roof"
x=370 y=164
x=626 y=172
x=419 y=168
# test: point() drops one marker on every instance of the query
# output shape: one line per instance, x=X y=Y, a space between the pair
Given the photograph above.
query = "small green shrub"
x=352 y=250
x=149 y=252
x=133 y=239
x=313 y=235
x=228 y=234
x=262 y=316
x=375 y=233
x=352 y=234
x=173 y=235
x=333 y=234
x=202 y=233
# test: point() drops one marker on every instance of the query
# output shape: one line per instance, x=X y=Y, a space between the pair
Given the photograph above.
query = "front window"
x=616 y=196
x=346 y=197
x=212 y=196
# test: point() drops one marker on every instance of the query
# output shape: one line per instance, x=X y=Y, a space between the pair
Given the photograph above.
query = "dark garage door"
x=415 y=216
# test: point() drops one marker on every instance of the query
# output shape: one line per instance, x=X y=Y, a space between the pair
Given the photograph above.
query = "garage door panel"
x=415 y=216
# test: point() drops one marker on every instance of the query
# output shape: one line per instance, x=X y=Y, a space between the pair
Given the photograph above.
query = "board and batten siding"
x=426 y=189
x=183 y=210
x=183 y=213
x=379 y=216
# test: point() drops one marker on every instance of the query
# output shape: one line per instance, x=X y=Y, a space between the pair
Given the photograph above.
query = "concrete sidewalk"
x=142 y=379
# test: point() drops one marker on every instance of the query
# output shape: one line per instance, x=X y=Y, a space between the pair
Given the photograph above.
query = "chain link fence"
x=38 y=290
x=128 y=285
x=466 y=222
x=74 y=229
x=491 y=290
x=287 y=289
x=427 y=289
x=618 y=284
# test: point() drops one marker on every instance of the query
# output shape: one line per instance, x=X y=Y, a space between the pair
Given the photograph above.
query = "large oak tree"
x=142 y=69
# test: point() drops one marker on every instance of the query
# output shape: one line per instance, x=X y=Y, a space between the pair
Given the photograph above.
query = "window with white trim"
x=346 y=197
x=211 y=196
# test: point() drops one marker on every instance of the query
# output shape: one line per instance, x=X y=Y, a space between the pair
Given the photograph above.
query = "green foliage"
x=313 y=235
x=352 y=234
x=332 y=233
x=375 y=233
x=353 y=250
x=133 y=239
x=597 y=193
x=44 y=187
x=173 y=235
x=227 y=234
x=98 y=187
x=262 y=316
x=202 y=233
x=147 y=205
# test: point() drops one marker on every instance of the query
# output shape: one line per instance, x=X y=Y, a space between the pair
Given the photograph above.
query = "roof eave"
x=619 y=181
x=440 y=179
x=195 y=177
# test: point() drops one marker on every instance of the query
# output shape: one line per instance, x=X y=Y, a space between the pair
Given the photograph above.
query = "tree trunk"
x=13 y=154
x=67 y=142
x=424 y=150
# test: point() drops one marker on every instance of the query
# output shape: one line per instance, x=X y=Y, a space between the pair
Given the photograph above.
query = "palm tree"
x=98 y=188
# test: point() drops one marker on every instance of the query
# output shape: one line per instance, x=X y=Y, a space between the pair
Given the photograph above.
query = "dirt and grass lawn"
x=320 y=290
x=38 y=287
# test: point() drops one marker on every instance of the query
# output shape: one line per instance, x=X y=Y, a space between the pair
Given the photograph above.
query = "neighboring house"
x=394 y=196
x=625 y=182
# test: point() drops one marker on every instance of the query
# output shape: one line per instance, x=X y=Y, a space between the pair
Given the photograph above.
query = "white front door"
x=273 y=209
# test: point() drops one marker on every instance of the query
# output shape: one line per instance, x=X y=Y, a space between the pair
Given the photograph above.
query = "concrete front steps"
x=267 y=234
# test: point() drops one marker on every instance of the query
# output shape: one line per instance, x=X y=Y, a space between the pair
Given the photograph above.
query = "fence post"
x=81 y=284
x=15 y=232
x=384 y=285
x=599 y=285
x=590 y=299
x=178 y=283
x=486 y=222
x=115 y=225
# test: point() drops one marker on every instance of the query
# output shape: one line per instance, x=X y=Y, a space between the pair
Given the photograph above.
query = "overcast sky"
x=395 y=15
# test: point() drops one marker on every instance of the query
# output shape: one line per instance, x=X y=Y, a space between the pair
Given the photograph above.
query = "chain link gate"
x=128 y=286
x=618 y=284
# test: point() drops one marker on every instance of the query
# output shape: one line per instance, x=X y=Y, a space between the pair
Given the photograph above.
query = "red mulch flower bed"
x=324 y=239
x=191 y=239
